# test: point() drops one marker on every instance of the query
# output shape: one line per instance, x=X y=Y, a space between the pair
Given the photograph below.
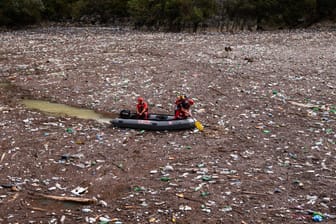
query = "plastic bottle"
x=317 y=218
x=204 y=193
x=165 y=179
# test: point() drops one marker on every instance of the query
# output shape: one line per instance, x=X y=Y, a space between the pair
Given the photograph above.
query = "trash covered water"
x=266 y=154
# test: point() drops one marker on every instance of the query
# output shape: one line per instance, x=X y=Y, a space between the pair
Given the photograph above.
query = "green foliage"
x=299 y=11
x=78 y=9
x=58 y=10
x=241 y=8
x=273 y=12
x=326 y=9
x=20 y=12
x=106 y=10
x=269 y=13
x=141 y=11
x=102 y=10
x=63 y=10
x=173 y=14
x=201 y=11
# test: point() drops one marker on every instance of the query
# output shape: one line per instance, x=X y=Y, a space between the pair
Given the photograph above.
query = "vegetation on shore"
x=170 y=15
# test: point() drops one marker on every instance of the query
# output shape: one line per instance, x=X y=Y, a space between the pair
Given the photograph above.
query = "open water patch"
x=5 y=84
x=57 y=109
x=52 y=205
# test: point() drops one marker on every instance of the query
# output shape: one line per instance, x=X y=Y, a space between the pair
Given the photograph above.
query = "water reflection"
x=65 y=110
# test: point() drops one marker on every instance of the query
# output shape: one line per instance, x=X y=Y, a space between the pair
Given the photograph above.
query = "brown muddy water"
x=5 y=84
x=62 y=110
x=57 y=109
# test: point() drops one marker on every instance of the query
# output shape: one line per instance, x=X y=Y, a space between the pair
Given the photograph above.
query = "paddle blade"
x=199 y=126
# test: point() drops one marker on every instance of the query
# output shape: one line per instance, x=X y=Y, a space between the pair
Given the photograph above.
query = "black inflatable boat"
x=155 y=122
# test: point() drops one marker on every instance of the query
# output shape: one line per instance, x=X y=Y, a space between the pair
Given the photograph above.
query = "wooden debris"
x=69 y=199
x=2 y=157
x=255 y=193
x=15 y=196
x=39 y=209
x=306 y=105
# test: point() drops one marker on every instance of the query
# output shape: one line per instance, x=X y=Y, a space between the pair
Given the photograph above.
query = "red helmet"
x=191 y=101
x=140 y=99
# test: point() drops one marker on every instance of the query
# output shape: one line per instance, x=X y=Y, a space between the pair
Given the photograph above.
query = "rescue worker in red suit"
x=142 y=109
x=182 y=107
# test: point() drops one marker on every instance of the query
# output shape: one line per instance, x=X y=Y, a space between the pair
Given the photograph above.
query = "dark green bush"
x=20 y=12
x=173 y=15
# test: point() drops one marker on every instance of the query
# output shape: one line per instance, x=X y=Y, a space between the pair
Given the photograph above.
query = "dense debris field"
x=267 y=153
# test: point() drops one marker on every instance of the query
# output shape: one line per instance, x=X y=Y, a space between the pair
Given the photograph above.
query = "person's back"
x=142 y=109
x=182 y=110
x=178 y=106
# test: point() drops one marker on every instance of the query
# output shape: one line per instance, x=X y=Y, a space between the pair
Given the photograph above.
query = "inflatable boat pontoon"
x=155 y=122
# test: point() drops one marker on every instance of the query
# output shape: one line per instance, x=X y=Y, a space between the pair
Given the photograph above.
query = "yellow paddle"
x=198 y=125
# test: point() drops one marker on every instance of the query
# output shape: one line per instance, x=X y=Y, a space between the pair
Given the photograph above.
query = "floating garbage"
x=79 y=190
